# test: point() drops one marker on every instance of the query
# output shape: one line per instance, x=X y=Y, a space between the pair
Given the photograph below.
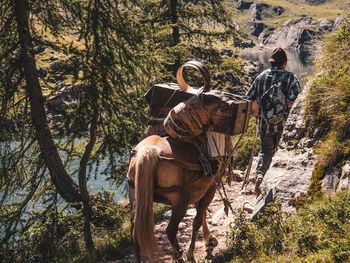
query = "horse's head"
x=229 y=113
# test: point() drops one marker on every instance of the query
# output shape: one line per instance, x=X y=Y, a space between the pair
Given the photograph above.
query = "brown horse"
x=168 y=171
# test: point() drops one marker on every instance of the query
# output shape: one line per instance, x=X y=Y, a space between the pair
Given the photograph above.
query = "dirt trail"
x=218 y=224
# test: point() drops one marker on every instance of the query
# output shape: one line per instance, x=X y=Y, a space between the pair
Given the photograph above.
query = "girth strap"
x=160 y=190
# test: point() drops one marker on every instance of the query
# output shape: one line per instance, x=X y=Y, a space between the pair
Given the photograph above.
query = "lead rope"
x=244 y=185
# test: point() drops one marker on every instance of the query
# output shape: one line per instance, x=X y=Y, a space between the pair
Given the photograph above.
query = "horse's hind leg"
x=177 y=214
x=198 y=220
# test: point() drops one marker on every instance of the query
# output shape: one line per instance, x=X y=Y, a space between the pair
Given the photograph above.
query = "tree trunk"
x=66 y=187
x=82 y=183
x=176 y=33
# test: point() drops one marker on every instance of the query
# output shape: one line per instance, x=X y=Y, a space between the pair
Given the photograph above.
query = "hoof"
x=212 y=242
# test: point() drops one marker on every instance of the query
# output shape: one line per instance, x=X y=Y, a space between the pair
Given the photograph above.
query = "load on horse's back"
x=171 y=165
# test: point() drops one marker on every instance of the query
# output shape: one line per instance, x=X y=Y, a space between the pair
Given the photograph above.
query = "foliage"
x=94 y=60
x=57 y=235
x=184 y=30
x=329 y=94
x=106 y=212
x=328 y=101
x=317 y=233
x=245 y=146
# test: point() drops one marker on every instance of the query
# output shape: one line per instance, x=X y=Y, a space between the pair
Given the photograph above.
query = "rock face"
x=300 y=33
x=296 y=34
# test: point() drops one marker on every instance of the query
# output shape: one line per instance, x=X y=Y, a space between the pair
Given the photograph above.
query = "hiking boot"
x=258 y=181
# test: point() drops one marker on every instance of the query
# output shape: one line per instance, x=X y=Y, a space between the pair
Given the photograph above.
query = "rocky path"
x=217 y=220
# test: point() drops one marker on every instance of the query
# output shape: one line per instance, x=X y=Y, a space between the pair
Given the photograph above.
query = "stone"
x=339 y=21
x=257 y=11
x=344 y=181
x=278 y=10
x=303 y=21
x=242 y=5
x=331 y=179
x=315 y=2
x=326 y=24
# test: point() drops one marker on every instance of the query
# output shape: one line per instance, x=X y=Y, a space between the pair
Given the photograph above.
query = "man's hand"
x=255 y=108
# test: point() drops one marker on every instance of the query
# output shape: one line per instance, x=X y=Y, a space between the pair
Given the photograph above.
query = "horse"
x=166 y=170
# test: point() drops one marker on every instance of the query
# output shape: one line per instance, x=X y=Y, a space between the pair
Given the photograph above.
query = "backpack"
x=274 y=104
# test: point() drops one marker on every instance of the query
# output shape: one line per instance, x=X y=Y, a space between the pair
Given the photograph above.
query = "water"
x=300 y=62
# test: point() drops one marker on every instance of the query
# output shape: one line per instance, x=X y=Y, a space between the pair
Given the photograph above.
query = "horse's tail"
x=146 y=162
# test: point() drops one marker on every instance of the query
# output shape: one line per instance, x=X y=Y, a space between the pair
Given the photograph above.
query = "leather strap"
x=159 y=190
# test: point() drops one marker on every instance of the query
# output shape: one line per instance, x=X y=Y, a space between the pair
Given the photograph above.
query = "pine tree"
x=184 y=30
x=111 y=68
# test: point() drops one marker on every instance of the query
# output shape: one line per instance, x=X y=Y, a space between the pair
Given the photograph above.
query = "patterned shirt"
x=290 y=88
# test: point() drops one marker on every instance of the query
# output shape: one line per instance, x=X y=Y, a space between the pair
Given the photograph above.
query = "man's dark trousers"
x=269 y=143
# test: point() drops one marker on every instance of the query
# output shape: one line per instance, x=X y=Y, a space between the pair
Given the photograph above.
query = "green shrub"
x=245 y=145
x=319 y=232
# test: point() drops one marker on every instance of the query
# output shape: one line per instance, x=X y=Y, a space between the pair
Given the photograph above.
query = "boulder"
x=344 y=181
x=242 y=5
x=258 y=10
x=278 y=10
x=339 y=21
x=326 y=24
x=315 y=2
x=302 y=21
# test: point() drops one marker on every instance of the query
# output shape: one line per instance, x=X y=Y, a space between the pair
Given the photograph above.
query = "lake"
x=300 y=62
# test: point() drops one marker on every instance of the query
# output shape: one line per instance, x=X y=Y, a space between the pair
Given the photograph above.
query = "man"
x=273 y=93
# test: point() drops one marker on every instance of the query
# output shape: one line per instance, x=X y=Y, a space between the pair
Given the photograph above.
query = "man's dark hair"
x=278 y=57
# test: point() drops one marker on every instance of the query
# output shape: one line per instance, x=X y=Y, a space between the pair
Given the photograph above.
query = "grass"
x=295 y=9
x=328 y=100
x=319 y=232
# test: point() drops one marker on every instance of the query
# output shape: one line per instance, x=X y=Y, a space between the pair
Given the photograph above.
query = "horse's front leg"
x=208 y=237
x=199 y=219
x=177 y=213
